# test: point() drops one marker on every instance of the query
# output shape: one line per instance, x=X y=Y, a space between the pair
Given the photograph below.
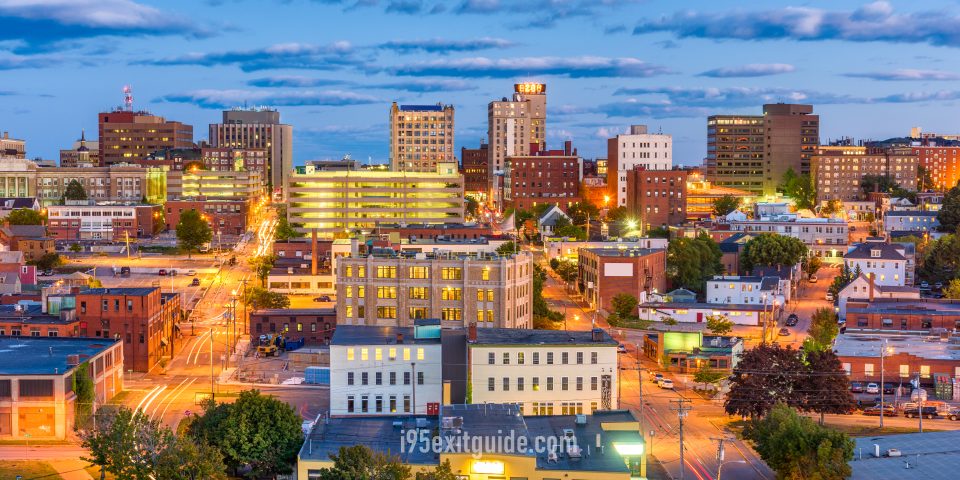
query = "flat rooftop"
x=46 y=355
x=704 y=306
x=923 y=346
x=930 y=455
x=132 y=291
x=622 y=252
x=909 y=306
x=514 y=336
x=374 y=335
x=295 y=311
x=381 y=434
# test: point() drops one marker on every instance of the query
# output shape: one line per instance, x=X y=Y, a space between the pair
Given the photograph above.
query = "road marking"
x=154 y=389
x=171 y=392
x=145 y=403
x=196 y=345
x=182 y=389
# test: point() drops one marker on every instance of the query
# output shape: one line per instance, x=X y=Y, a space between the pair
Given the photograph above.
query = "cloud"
x=919 y=97
x=42 y=24
x=714 y=97
x=750 y=70
x=284 y=55
x=574 y=67
x=293 y=81
x=220 y=99
x=15 y=62
x=906 y=75
x=441 y=46
x=426 y=86
x=408 y=7
x=540 y=13
x=873 y=22
x=612 y=29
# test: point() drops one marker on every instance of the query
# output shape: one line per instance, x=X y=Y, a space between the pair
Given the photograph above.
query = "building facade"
x=421 y=136
x=226 y=216
x=335 y=202
x=913 y=221
x=314 y=325
x=625 y=152
x=129 y=137
x=259 y=128
x=81 y=220
x=12 y=147
x=907 y=315
x=742 y=290
x=838 y=170
x=476 y=171
x=885 y=262
x=608 y=272
x=81 y=154
x=826 y=237
x=513 y=125
x=489 y=290
x=113 y=183
x=657 y=197
x=701 y=194
x=941 y=163
x=548 y=176
x=215 y=184
x=18 y=178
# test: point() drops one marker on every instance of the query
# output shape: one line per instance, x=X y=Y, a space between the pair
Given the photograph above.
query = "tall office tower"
x=652 y=151
x=12 y=147
x=512 y=126
x=420 y=137
x=752 y=152
x=259 y=128
x=127 y=136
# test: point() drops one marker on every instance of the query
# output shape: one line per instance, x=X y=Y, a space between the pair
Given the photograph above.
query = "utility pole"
x=720 y=454
x=681 y=414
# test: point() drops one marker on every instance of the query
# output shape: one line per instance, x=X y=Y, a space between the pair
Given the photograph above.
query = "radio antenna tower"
x=128 y=97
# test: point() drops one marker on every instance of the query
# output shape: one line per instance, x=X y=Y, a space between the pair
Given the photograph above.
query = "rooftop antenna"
x=128 y=97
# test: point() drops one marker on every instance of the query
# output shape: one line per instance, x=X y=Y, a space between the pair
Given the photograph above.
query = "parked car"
x=924 y=285
x=322 y=298
x=938 y=285
x=124 y=271
x=162 y=272
x=665 y=383
x=889 y=388
x=856 y=387
x=953 y=414
x=927 y=412
x=829 y=297
x=784 y=332
x=191 y=273
x=813 y=279
x=792 y=320
x=195 y=282
x=873 y=388
x=621 y=348
x=888 y=411
x=656 y=377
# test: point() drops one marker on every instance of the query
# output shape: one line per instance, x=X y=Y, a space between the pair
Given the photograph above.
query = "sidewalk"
x=71 y=469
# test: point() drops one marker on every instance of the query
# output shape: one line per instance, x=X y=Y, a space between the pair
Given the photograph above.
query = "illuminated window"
x=348 y=271
x=417 y=293
x=348 y=291
x=406 y=354
x=364 y=354
x=392 y=353
x=485 y=274
x=378 y=354
x=386 y=292
x=419 y=272
x=384 y=271
x=361 y=291
x=350 y=355
x=386 y=312
x=420 y=354
x=452 y=273
x=361 y=271
x=450 y=293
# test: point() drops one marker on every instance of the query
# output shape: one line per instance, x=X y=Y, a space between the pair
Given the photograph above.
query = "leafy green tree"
x=443 y=472
x=841 y=281
x=877 y=183
x=725 y=204
x=543 y=317
x=693 y=261
x=949 y=214
x=260 y=298
x=360 y=462
x=798 y=187
x=767 y=368
x=579 y=212
x=24 y=216
x=952 y=290
x=83 y=388
x=624 y=305
x=568 y=270
x=286 y=230
x=822 y=331
x=74 y=191
x=942 y=260
x=471 y=206
x=76 y=248
x=719 y=324
x=832 y=207
x=924 y=180
x=811 y=265
x=572 y=231
x=825 y=385
x=508 y=248
x=261 y=267
x=193 y=231
x=257 y=434
x=770 y=250
x=47 y=261
x=186 y=459
x=659 y=232
x=617 y=215
x=797 y=448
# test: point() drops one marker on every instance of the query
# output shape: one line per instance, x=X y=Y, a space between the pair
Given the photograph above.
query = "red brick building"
x=905 y=358
x=943 y=165
x=316 y=325
x=453 y=231
x=229 y=217
x=657 y=197
x=544 y=176
x=608 y=272
x=31 y=321
x=903 y=314
x=476 y=175
x=112 y=222
x=129 y=137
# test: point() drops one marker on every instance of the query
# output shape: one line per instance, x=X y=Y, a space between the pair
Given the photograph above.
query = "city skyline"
x=871 y=70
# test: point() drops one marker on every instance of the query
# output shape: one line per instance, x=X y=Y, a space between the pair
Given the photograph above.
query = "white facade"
x=826 y=237
x=859 y=288
x=907 y=221
x=546 y=379
x=652 y=151
x=698 y=312
x=564 y=249
x=383 y=379
x=885 y=271
x=743 y=290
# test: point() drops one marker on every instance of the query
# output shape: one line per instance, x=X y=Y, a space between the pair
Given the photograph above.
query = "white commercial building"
x=910 y=221
x=386 y=370
x=744 y=290
x=545 y=372
x=562 y=248
x=826 y=237
x=885 y=262
x=698 y=312
x=652 y=151
x=861 y=288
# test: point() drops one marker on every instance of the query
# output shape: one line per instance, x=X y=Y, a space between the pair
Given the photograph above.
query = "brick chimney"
x=870 y=279
x=313 y=253
x=399 y=337
x=472 y=332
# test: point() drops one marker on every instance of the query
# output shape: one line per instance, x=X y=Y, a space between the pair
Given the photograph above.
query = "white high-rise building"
x=652 y=151
x=512 y=125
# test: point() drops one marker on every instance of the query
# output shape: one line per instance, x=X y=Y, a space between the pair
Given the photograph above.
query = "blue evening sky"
x=332 y=67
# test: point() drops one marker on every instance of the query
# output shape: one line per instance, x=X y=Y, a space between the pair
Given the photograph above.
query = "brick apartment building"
x=942 y=163
x=227 y=216
x=657 y=197
x=607 y=272
x=907 y=356
x=315 y=325
x=111 y=222
x=476 y=175
x=32 y=240
x=838 y=170
x=543 y=176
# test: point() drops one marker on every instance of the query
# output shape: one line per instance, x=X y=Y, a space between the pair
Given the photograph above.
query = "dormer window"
x=875 y=253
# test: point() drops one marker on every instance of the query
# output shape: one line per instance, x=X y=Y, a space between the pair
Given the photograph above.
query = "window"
x=378 y=354
x=350 y=400
x=349 y=378
x=348 y=291
x=451 y=314
x=378 y=378
x=350 y=354
x=593 y=358
x=393 y=403
x=579 y=383
x=549 y=358
x=406 y=403
x=565 y=358
x=361 y=292
x=536 y=358
x=491 y=358
x=406 y=354
x=348 y=271
x=379 y=403
x=485 y=273
x=451 y=293
x=417 y=312
x=419 y=272
x=519 y=384
x=364 y=354
x=420 y=378
x=386 y=312
x=406 y=378
x=563 y=383
x=364 y=378
x=506 y=358
x=348 y=313
x=925 y=371
x=593 y=383
x=451 y=273
x=549 y=383
x=490 y=384
x=361 y=271
x=392 y=353
x=386 y=292
x=417 y=293
x=420 y=353
x=364 y=403
x=904 y=370
x=519 y=358
x=386 y=271
x=868 y=369
x=393 y=378
x=535 y=383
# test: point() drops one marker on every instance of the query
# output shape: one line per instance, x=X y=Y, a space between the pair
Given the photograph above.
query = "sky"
x=872 y=70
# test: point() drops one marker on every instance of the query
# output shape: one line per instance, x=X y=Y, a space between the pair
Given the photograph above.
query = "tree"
x=799 y=188
x=617 y=215
x=443 y=472
x=765 y=376
x=811 y=265
x=952 y=290
x=471 y=206
x=841 y=281
x=193 y=231
x=47 y=261
x=261 y=267
x=24 y=216
x=725 y=204
x=624 y=305
x=832 y=207
x=581 y=211
x=719 y=324
x=706 y=375
x=877 y=183
x=826 y=386
x=74 y=191
x=949 y=214
x=257 y=432
x=772 y=250
x=76 y=248
x=924 y=180
x=508 y=248
x=286 y=230
x=942 y=260
x=83 y=388
x=693 y=261
x=572 y=231
x=822 y=331
x=360 y=462
x=797 y=448
x=260 y=298
x=568 y=270
x=658 y=232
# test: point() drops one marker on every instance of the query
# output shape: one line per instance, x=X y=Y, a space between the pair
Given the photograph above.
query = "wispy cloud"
x=286 y=55
x=872 y=22
x=574 y=67
x=731 y=96
x=293 y=81
x=14 y=62
x=750 y=70
x=427 y=86
x=220 y=99
x=443 y=46
x=906 y=75
x=541 y=13
x=40 y=24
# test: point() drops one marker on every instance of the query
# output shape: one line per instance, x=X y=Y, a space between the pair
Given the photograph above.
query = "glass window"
x=419 y=272
x=350 y=354
x=420 y=354
x=490 y=384
x=452 y=273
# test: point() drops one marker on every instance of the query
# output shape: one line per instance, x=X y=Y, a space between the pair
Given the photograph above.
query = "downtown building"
x=543 y=176
x=119 y=182
x=657 y=197
x=12 y=147
x=626 y=152
x=513 y=125
x=838 y=170
x=259 y=128
x=130 y=137
x=940 y=163
x=83 y=153
x=752 y=152
x=609 y=271
x=88 y=220
x=388 y=289
x=421 y=137
x=475 y=171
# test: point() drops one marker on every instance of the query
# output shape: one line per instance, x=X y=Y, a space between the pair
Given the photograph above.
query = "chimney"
x=399 y=337
x=472 y=332
x=313 y=253
x=596 y=335
x=870 y=279
x=567 y=147
x=73 y=360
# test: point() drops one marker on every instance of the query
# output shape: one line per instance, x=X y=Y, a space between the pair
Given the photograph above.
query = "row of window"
x=378 y=354
x=521 y=358
x=378 y=378
x=535 y=384
x=378 y=405
x=416 y=273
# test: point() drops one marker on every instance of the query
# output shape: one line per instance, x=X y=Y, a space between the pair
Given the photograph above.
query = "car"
x=953 y=414
x=195 y=282
x=925 y=412
x=792 y=320
x=162 y=272
x=125 y=271
x=191 y=273
x=784 y=332
x=322 y=298
x=172 y=272
x=856 y=387
x=656 y=377
x=938 y=285
x=873 y=388
x=924 y=285
x=813 y=279
x=889 y=388
x=665 y=383
x=829 y=297
x=621 y=348
x=888 y=411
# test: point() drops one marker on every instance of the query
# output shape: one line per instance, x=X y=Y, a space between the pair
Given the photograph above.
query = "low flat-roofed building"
x=907 y=356
x=29 y=320
x=616 y=430
x=928 y=456
x=752 y=290
x=862 y=289
x=910 y=221
x=903 y=314
x=563 y=248
x=608 y=272
x=36 y=387
x=314 y=325
x=691 y=351
x=698 y=312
